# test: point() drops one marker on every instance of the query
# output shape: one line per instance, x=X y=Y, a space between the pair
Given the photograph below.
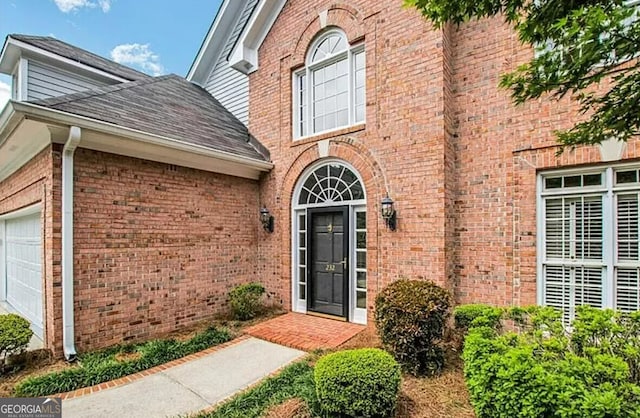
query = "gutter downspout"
x=68 y=334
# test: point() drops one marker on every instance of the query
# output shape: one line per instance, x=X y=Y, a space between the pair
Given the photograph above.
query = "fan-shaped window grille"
x=331 y=183
x=331 y=45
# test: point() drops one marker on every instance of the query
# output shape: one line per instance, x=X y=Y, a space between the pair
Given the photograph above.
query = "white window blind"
x=590 y=244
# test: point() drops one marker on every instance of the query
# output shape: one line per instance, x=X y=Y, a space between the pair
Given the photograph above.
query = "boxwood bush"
x=545 y=371
x=410 y=317
x=15 y=334
x=245 y=300
x=357 y=383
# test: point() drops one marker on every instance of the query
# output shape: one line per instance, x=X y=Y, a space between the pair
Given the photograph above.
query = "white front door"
x=23 y=268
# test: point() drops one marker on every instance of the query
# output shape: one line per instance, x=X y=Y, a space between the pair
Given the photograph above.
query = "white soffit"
x=244 y=56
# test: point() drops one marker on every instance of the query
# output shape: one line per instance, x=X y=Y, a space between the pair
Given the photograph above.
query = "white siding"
x=229 y=86
x=44 y=81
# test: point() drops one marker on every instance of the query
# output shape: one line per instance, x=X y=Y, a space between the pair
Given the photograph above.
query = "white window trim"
x=308 y=72
x=609 y=192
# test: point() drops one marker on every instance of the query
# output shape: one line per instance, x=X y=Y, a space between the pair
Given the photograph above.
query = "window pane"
x=361 y=240
x=361 y=259
x=627 y=227
x=361 y=281
x=359 y=113
x=572 y=181
x=361 y=220
x=592 y=179
x=342 y=101
x=303 y=239
x=303 y=274
x=361 y=300
x=359 y=60
x=343 y=118
x=627 y=290
x=303 y=222
x=626 y=177
x=318 y=76
x=342 y=67
x=330 y=72
x=303 y=291
x=318 y=124
x=553 y=183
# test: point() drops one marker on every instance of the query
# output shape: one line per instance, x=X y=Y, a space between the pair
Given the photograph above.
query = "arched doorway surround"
x=329 y=235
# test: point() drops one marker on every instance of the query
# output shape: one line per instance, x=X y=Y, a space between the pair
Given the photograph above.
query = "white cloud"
x=5 y=94
x=67 y=6
x=138 y=55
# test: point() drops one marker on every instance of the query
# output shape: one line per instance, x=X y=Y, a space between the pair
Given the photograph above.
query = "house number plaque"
x=330 y=267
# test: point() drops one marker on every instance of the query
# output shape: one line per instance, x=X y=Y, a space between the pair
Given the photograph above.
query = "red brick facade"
x=156 y=247
x=459 y=159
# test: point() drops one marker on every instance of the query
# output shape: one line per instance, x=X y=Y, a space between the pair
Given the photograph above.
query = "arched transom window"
x=329 y=93
x=331 y=183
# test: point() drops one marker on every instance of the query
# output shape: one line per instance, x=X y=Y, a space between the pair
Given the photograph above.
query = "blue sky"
x=154 y=36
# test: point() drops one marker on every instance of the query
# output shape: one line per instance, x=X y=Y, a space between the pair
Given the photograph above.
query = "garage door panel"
x=24 y=268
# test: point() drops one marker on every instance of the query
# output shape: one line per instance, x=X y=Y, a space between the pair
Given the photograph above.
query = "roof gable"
x=243 y=57
x=74 y=55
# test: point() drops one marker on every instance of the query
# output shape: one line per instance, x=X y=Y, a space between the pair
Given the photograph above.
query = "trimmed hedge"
x=363 y=382
x=103 y=366
x=15 y=334
x=544 y=371
x=245 y=300
x=410 y=317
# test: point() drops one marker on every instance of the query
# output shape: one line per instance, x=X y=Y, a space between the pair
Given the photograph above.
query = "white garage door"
x=24 y=268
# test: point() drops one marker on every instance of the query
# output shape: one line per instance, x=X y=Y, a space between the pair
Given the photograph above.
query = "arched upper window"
x=329 y=183
x=329 y=93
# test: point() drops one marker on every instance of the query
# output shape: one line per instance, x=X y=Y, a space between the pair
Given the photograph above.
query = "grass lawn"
x=291 y=393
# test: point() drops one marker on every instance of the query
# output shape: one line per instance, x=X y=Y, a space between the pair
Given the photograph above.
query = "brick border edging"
x=137 y=376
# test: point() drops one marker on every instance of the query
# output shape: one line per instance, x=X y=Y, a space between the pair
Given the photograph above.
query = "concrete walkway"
x=188 y=387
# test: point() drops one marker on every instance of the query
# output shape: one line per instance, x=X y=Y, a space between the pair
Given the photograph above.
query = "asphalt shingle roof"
x=71 y=52
x=168 y=106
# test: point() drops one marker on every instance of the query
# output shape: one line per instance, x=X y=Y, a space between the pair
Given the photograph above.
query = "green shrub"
x=546 y=372
x=15 y=334
x=103 y=366
x=245 y=300
x=410 y=318
x=477 y=315
x=363 y=382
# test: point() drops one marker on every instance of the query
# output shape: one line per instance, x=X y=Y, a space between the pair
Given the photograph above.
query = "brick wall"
x=403 y=148
x=459 y=159
x=499 y=150
x=157 y=247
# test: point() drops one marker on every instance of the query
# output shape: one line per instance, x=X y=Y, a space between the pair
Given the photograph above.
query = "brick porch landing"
x=305 y=332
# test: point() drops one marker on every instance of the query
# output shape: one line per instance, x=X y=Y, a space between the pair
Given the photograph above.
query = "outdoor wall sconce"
x=266 y=219
x=388 y=213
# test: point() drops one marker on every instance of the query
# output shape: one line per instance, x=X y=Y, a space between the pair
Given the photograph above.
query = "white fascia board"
x=53 y=115
x=244 y=56
x=13 y=50
x=224 y=22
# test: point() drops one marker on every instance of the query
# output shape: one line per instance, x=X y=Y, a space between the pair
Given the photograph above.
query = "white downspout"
x=68 y=334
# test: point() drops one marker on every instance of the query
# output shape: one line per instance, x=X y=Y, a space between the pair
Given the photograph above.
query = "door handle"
x=344 y=262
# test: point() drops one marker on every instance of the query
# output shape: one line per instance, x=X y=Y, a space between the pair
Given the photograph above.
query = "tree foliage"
x=584 y=48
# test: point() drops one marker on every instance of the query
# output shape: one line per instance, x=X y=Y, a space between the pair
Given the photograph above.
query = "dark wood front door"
x=327 y=261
